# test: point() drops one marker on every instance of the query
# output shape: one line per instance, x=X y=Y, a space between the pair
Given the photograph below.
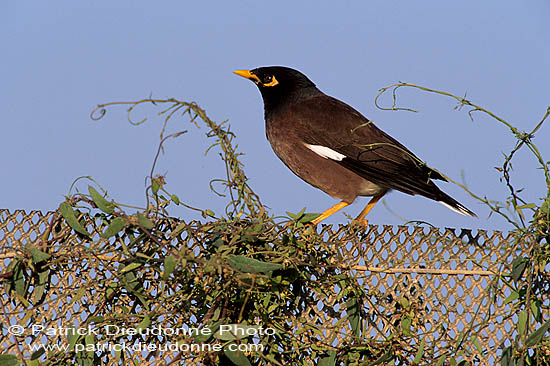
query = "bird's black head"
x=279 y=85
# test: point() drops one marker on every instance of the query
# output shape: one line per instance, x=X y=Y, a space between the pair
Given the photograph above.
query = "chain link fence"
x=426 y=288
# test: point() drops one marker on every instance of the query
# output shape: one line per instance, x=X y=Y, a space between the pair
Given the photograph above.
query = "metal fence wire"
x=452 y=281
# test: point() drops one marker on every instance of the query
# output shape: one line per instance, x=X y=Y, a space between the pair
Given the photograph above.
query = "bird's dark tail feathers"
x=454 y=205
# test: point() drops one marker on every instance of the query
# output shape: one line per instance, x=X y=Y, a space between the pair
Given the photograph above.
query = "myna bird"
x=333 y=147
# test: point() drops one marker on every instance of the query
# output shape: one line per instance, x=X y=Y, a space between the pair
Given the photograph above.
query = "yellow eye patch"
x=269 y=81
x=273 y=82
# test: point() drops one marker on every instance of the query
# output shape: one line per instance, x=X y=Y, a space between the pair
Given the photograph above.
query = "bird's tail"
x=454 y=205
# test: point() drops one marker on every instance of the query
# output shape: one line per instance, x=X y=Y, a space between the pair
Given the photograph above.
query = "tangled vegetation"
x=277 y=283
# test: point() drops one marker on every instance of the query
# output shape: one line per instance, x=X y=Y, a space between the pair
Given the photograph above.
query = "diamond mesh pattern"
x=451 y=278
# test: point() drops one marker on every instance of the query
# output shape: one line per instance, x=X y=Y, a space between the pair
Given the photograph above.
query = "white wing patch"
x=325 y=152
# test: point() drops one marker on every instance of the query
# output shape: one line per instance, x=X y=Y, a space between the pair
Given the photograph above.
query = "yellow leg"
x=337 y=207
x=368 y=207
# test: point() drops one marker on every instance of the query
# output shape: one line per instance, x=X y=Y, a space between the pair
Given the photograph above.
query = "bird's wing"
x=361 y=146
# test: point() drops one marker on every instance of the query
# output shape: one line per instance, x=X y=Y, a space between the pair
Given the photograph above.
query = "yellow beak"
x=247 y=74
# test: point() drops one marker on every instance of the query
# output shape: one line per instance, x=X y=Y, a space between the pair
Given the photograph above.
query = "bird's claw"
x=363 y=223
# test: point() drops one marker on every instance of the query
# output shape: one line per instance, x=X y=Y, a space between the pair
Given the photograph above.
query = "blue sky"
x=60 y=59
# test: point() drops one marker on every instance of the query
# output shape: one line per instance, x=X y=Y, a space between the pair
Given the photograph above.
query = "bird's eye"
x=269 y=81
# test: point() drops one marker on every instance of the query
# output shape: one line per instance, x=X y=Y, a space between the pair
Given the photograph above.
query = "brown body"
x=335 y=148
x=290 y=126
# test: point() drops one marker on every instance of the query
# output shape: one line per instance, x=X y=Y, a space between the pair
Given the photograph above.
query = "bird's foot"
x=362 y=223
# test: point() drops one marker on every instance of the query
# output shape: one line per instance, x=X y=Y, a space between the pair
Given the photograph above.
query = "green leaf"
x=476 y=343
x=535 y=309
x=518 y=267
x=81 y=291
x=203 y=337
x=513 y=296
x=308 y=217
x=237 y=357
x=19 y=279
x=522 y=322
x=118 y=356
x=441 y=360
x=9 y=360
x=406 y=326
x=537 y=335
x=155 y=186
x=114 y=228
x=134 y=285
x=144 y=221
x=329 y=360
x=130 y=267
x=72 y=337
x=175 y=199
x=217 y=313
x=178 y=229
x=89 y=339
x=110 y=289
x=40 y=286
x=354 y=316
x=296 y=216
x=506 y=358
x=100 y=202
x=384 y=358
x=144 y=324
x=250 y=265
x=69 y=215
x=38 y=256
x=208 y=212
x=420 y=352
x=34 y=356
x=131 y=283
x=169 y=266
